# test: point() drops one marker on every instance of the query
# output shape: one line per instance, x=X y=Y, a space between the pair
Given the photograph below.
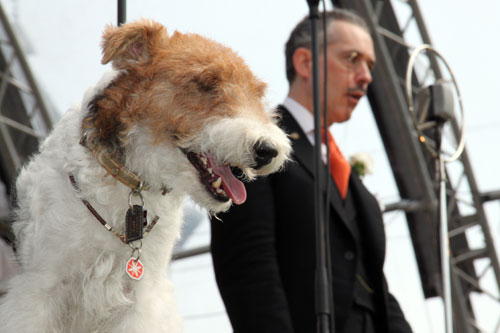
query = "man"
x=264 y=250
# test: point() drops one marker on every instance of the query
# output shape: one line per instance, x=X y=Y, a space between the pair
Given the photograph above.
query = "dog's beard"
x=218 y=178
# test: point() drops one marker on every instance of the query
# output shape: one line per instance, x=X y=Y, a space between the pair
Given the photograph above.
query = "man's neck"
x=301 y=95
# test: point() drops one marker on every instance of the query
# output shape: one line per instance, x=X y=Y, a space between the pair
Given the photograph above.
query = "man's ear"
x=302 y=62
x=132 y=43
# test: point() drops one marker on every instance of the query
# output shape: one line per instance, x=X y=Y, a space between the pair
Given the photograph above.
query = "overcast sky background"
x=63 y=39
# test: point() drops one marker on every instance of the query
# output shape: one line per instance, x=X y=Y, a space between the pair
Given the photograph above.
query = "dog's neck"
x=115 y=169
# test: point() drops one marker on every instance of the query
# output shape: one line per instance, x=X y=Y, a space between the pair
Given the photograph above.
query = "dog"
x=99 y=207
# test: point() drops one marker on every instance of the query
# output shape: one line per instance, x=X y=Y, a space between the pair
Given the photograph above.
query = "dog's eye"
x=205 y=87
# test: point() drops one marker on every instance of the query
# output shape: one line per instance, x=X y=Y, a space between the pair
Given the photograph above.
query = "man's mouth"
x=218 y=179
x=355 y=94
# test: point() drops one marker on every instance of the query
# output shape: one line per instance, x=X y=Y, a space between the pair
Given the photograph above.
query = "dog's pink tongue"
x=230 y=184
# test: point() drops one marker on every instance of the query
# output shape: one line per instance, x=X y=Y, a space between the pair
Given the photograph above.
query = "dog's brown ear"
x=132 y=43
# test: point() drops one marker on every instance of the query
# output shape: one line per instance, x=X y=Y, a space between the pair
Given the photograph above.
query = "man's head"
x=350 y=59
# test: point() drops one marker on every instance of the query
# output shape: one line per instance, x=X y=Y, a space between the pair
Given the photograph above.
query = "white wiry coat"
x=169 y=100
x=73 y=269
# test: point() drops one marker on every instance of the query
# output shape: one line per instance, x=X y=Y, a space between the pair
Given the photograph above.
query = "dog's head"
x=184 y=112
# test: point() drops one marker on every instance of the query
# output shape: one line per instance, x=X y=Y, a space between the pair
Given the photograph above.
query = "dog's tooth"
x=217 y=183
x=209 y=170
x=203 y=159
x=220 y=191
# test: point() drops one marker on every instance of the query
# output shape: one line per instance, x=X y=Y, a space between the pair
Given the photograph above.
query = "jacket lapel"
x=302 y=148
x=303 y=154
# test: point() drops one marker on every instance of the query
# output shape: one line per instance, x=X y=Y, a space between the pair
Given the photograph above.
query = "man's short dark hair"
x=301 y=35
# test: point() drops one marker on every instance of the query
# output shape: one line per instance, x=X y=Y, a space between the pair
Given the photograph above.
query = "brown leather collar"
x=115 y=169
x=118 y=171
x=121 y=173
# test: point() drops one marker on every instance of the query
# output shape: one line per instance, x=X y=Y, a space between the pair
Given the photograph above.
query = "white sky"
x=65 y=37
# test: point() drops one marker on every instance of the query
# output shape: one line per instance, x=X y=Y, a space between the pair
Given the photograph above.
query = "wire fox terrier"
x=100 y=205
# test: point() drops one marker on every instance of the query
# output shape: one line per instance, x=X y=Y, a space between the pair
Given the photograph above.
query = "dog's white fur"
x=72 y=275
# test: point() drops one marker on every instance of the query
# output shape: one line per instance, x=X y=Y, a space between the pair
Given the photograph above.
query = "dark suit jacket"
x=264 y=253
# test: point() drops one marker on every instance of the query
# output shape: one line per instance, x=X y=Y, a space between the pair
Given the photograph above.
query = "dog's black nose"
x=264 y=153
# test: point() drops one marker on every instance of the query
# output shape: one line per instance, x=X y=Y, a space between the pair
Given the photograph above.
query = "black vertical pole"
x=322 y=281
x=122 y=11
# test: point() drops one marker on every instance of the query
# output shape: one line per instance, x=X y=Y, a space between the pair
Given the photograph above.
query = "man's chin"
x=341 y=115
x=346 y=115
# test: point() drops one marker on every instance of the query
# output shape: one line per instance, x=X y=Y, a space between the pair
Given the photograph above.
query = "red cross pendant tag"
x=135 y=268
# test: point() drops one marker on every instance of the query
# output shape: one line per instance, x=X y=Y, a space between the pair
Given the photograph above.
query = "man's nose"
x=364 y=75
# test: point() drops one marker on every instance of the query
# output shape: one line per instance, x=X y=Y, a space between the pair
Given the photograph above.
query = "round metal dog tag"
x=135 y=268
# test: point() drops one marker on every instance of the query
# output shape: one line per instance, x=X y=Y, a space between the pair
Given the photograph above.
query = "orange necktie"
x=339 y=167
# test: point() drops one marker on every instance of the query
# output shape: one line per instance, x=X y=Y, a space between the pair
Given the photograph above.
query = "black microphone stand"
x=324 y=302
x=122 y=12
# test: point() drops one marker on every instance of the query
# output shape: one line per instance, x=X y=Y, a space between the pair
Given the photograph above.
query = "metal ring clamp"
x=136 y=249
x=137 y=193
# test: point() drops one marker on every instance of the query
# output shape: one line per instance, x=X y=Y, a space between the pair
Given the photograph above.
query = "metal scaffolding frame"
x=414 y=170
x=24 y=118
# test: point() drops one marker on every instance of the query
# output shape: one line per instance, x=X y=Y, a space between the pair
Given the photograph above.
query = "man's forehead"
x=347 y=31
x=348 y=37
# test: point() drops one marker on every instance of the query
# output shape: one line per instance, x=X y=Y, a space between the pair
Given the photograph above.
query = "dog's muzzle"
x=264 y=153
